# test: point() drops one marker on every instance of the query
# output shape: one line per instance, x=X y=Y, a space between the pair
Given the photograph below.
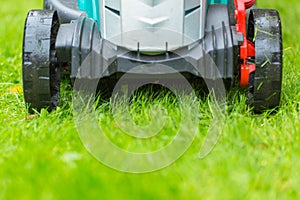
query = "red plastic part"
x=247 y=49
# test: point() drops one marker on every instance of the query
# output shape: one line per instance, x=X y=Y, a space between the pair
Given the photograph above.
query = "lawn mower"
x=244 y=42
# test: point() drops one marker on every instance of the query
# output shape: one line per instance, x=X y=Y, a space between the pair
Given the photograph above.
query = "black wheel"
x=264 y=29
x=41 y=73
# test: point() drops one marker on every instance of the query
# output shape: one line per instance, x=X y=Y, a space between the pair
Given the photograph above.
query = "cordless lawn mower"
x=244 y=42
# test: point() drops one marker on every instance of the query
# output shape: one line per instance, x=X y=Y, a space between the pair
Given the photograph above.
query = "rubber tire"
x=41 y=73
x=264 y=29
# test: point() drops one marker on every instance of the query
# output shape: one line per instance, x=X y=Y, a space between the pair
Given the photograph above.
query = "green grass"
x=43 y=158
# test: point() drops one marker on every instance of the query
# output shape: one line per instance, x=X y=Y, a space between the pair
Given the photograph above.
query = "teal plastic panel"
x=218 y=2
x=91 y=7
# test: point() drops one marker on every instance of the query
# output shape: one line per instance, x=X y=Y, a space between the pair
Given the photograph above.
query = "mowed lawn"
x=257 y=156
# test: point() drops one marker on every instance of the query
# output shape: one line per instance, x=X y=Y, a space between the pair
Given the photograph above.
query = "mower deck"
x=63 y=38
